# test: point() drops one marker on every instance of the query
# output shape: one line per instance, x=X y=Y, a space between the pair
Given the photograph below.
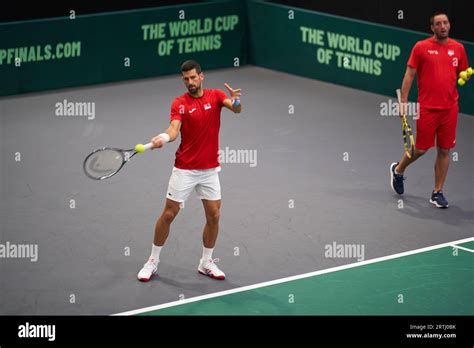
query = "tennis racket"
x=106 y=162
x=408 y=139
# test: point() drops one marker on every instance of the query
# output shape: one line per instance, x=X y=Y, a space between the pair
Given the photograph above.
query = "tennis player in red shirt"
x=196 y=114
x=437 y=61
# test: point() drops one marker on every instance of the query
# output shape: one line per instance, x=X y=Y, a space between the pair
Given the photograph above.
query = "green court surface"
x=432 y=282
x=468 y=245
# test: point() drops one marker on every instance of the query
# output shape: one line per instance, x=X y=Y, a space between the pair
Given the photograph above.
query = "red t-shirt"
x=200 y=122
x=438 y=66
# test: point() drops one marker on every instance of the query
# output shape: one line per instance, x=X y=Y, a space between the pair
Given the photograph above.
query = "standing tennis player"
x=196 y=114
x=437 y=61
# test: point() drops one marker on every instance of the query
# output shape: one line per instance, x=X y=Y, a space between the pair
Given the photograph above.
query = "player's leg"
x=406 y=161
x=211 y=228
x=179 y=189
x=209 y=191
x=162 y=227
x=441 y=171
x=441 y=168
x=446 y=140
x=425 y=138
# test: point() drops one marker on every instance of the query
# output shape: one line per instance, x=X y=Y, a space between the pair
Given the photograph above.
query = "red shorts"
x=436 y=124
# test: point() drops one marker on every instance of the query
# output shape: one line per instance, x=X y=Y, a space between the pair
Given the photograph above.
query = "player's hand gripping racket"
x=408 y=139
x=106 y=162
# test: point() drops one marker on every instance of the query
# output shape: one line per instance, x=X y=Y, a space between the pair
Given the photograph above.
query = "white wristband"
x=165 y=137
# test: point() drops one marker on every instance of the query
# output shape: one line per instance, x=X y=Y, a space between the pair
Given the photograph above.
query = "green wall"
x=348 y=52
x=64 y=52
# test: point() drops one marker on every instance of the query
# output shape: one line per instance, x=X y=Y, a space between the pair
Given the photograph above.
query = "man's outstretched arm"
x=169 y=135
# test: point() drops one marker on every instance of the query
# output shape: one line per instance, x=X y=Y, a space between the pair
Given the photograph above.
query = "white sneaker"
x=148 y=270
x=209 y=268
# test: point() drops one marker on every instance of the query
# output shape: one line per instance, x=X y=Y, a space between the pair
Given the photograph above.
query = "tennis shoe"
x=209 y=268
x=396 y=180
x=148 y=270
x=438 y=200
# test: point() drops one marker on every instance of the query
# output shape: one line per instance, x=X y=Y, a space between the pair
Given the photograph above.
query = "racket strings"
x=104 y=163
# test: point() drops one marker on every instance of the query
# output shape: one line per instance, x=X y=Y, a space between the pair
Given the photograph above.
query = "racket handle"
x=148 y=146
x=399 y=95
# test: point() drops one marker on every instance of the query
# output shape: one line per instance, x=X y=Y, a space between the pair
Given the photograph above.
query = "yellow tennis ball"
x=461 y=82
x=469 y=71
x=463 y=75
x=140 y=148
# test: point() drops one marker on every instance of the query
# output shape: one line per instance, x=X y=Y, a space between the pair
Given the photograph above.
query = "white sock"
x=207 y=253
x=155 y=252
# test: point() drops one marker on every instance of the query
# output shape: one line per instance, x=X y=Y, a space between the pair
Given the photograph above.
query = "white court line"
x=462 y=248
x=289 y=279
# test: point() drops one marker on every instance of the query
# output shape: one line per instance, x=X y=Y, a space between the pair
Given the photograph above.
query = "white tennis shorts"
x=204 y=182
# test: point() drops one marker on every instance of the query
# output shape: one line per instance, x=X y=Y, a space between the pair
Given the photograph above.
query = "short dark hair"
x=437 y=13
x=190 y=65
